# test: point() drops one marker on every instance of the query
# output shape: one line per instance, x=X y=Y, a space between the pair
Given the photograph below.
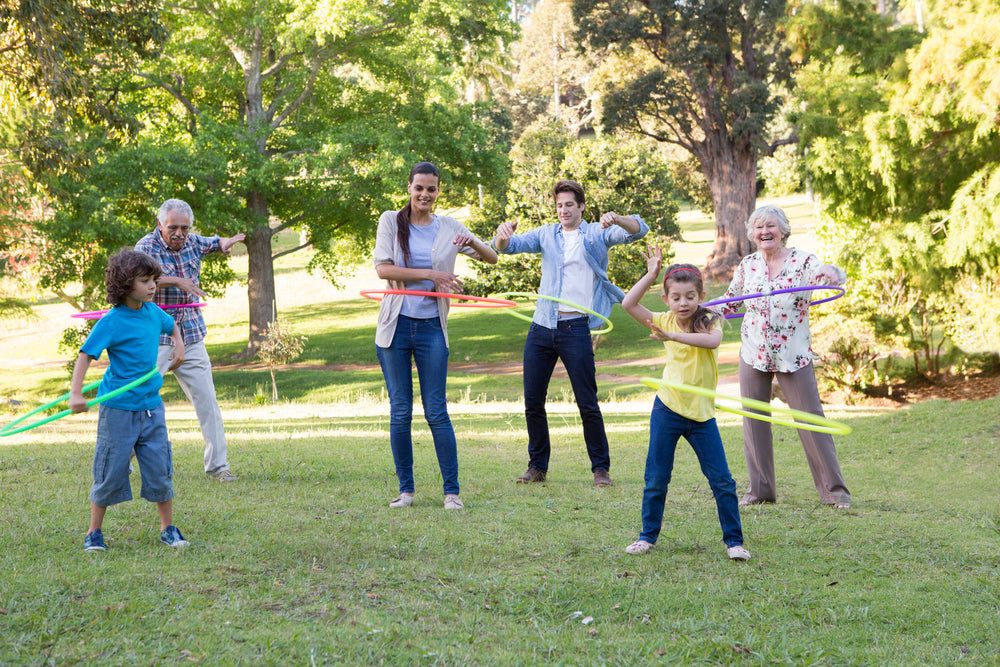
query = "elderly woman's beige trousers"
x=802 y=393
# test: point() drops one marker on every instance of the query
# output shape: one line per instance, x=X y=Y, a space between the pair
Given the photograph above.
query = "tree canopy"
x=704 y=76
x=273 y=115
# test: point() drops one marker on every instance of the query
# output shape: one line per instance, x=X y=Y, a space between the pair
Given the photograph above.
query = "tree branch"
x=793 y=138
x=291 y=250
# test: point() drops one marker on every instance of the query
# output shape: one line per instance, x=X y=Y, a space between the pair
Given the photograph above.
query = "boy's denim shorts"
x=119 y=432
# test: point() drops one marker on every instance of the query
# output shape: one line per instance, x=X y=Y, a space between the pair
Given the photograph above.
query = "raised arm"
x=654 y=262
x=626 y=222
x=505 y=230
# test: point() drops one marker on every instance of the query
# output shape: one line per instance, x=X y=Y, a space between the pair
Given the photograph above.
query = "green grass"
x=302 y=562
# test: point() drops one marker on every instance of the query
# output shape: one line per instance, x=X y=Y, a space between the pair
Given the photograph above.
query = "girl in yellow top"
x=691 y=335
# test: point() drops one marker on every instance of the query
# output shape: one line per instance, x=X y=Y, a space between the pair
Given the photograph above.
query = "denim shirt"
x=549 y=241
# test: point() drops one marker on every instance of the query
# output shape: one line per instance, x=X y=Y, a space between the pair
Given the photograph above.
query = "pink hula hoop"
x=98 y=314
x=478 y=301
x=787 y=290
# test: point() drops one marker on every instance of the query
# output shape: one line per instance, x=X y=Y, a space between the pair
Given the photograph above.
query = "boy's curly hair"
x=123 y=268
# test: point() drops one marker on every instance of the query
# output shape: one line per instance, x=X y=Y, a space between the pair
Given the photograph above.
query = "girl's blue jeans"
x=420 y=341
x=665 y=429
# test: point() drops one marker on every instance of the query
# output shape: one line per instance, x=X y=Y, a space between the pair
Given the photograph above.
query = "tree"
x=552 y=64
x=59 y=61
x=903 y=152
x=702 y=76
x=271 y=115
x=280 y=346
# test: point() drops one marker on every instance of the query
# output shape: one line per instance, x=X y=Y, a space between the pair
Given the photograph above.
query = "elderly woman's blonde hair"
x=770 y=213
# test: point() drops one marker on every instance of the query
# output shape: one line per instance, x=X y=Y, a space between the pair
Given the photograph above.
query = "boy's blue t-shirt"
x=132 y=339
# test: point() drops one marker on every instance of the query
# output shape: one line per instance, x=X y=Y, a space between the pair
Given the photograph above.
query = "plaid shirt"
x=183 y=263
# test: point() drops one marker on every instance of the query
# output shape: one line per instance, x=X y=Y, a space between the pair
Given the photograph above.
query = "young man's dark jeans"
x=570 y=341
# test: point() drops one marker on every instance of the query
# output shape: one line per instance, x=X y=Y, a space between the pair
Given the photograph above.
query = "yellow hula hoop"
x=803 y=420
x=576 y=306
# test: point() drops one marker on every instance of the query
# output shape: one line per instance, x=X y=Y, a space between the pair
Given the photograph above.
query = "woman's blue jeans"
x=665 y=429
x=420 y=341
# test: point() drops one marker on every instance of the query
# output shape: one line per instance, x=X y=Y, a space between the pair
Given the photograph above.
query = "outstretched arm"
x=486 y=253
x=654 y=261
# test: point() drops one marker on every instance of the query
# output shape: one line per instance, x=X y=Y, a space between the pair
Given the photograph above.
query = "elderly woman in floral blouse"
x=776 y=342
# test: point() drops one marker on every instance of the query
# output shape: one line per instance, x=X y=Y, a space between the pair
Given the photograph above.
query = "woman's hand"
x=448 y=283
x=828 y=274
x=463 y=239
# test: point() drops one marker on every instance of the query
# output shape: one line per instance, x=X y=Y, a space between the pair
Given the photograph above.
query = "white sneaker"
x=453 y=502
x=404 y=500
x=738 y=553
x=638 y=547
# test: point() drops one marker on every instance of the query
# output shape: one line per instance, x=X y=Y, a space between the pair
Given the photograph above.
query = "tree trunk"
x=260 y=276
x=732 y=178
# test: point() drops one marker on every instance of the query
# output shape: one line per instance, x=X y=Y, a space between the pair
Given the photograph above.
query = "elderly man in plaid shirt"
x=179 y=253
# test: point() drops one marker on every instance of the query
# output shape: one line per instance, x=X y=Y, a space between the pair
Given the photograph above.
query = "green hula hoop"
x=10 y=430
x=522 y=316
x=812 y=422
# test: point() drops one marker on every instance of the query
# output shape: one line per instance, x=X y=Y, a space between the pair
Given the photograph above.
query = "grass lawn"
x=301 y=561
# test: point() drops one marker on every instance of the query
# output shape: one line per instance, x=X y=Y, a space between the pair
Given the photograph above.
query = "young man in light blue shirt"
x=574 y=269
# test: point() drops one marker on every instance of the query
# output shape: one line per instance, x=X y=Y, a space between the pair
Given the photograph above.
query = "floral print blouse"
x=775 y=329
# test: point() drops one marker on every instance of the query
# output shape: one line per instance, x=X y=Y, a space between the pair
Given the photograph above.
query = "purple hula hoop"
x=787 y=290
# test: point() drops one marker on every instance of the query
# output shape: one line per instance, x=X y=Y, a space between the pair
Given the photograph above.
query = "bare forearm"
x=401 y=273
x=708 y=341
x=485 y=252
x=628 y=223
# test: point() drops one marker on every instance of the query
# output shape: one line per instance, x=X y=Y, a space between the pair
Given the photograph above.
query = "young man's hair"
x=123 y=268
x=566 y=185
x=703 y=319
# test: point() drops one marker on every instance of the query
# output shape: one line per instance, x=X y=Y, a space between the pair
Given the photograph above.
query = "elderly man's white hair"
x=770 y=213
x=175 y=205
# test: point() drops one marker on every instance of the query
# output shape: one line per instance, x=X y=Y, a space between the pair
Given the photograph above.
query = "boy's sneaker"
x=638 y=547
x=223 y=476
x=738 y=553
x=172 y=537
x=453 y=502
x=94 y=541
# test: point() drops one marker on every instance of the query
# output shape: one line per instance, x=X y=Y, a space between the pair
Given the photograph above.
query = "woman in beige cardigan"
x=415 y=249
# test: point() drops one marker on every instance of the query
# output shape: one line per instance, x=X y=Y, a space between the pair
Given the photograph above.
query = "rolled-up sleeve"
x=384 y=239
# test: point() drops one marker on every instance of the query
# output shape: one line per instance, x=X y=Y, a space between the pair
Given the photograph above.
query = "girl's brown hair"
x=123 y=268
x=703 y=319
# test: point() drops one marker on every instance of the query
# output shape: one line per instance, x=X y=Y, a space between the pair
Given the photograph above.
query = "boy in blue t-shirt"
x=134 y=420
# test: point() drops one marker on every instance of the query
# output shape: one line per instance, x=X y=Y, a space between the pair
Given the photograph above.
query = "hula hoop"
x=97 y=314
x=479 y=301
x=787 y=290
x=10 y=430
x=812 y=422
x=576 y=306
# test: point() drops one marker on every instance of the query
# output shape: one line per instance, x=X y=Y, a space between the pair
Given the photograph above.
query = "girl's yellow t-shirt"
x=689 y=365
